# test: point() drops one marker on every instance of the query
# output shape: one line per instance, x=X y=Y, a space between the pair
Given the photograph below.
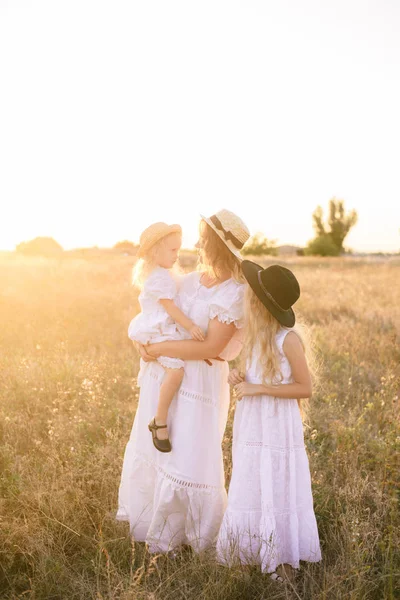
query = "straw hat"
x=230 y=228
x=154 y=234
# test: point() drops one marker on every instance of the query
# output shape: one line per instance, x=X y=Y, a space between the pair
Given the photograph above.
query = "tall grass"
x=67 y=400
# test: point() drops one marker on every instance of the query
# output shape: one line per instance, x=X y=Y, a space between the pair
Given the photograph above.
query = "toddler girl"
x=158 y=252
x=270 y=518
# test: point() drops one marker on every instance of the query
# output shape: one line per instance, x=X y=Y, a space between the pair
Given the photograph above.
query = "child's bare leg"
x=169 y=387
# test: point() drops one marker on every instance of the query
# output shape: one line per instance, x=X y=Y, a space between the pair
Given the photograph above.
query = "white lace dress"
x=153 y=324
x=270 y=517
x=179 y=497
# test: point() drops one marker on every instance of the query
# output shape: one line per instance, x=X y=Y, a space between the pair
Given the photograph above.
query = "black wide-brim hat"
x=276 y=287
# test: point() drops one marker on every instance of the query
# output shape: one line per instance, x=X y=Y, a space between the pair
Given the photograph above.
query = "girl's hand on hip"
x=235 y=377
x=246 y=389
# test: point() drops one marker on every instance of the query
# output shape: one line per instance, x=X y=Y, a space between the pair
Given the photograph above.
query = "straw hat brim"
x=220 y=234
x=162 y=233
x=250 y=270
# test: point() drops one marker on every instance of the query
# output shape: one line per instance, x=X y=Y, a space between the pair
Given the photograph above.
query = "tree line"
x=330 y=234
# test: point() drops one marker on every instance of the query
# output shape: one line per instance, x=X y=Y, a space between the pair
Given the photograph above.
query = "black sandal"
x=161 y=445
x=275 y=577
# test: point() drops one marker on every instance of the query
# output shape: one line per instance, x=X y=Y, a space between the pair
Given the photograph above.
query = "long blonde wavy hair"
x=216 y=258
x=260 y=331
x=145 y=265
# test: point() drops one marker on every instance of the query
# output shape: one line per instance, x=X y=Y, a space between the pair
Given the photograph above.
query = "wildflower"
x=86 y=383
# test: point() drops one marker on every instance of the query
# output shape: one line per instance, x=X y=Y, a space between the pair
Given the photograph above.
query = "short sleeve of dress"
x=227 y=305
x=160 y=285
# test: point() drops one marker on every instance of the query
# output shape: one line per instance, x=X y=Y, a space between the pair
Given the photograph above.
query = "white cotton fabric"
x=270 y=517
x=153 y=324
x=180 y=497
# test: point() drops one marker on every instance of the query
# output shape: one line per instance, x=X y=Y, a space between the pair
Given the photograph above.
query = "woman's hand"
x=235 y=377
x=247 y=389
x=143 y=352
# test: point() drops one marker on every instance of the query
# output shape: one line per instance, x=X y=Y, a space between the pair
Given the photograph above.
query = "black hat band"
x=266 y=292
x=228 y=234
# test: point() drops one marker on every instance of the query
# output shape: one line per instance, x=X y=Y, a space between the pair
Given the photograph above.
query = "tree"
x=126 y=247
x=322 y=245
x=318 y=218
x=259 y=245
x=338 y=224
x=40 y=246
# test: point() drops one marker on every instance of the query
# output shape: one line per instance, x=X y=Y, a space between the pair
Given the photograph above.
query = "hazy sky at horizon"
x=115 y=114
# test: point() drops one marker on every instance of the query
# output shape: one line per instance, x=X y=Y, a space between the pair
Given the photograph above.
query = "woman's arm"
x=301 y=386
x=218 y=335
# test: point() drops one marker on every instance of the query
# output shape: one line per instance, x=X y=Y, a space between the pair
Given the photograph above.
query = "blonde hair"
x=259 y=319
x=217 y=258
x=147 y=263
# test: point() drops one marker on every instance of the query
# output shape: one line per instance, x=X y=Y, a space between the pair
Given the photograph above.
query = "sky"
x=115 y=114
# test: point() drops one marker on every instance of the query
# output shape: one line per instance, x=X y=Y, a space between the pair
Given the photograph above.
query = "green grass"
x=67 y=400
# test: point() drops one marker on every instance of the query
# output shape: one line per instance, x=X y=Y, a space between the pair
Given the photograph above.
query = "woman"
x=179 y=497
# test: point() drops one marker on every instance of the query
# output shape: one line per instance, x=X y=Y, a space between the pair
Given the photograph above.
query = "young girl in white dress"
x=270 y=518
x=160 y=318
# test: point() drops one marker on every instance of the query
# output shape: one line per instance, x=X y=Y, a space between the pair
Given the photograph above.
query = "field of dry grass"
x=67 y=402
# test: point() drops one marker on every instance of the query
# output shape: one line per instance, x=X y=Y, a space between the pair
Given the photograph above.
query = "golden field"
x=67 y=402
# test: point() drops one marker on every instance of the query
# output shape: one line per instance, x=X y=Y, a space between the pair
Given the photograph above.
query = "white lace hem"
x=171 y=363
x=184 y=394
x=166 y=510
x=272 y=448
x=268 y=539
x=177 y=483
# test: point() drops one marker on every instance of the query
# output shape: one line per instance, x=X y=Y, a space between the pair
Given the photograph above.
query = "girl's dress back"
x=270 y=517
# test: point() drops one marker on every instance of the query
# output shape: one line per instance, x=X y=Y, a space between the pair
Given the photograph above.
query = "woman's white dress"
x=153 y=324
x=270 y=516
x=179 y=497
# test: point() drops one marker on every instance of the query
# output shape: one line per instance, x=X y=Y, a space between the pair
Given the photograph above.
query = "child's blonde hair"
x=261 y=328
x=218 y=259
x=147 y=263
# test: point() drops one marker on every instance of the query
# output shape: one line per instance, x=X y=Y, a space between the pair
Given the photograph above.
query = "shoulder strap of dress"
x=280 y=337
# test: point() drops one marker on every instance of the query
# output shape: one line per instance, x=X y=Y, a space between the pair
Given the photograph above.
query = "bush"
x=259 y=245
x=323 y=245
x=126 y=247
x=40 y=246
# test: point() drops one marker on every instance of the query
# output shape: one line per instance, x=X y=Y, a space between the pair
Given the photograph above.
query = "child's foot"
x=160 y=436
x=286 y=573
